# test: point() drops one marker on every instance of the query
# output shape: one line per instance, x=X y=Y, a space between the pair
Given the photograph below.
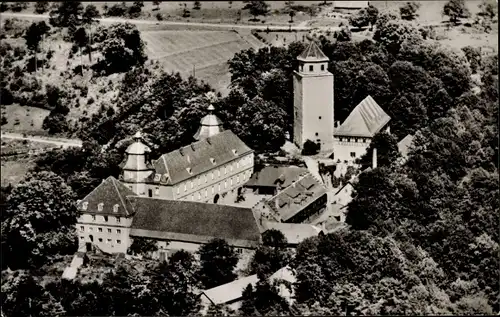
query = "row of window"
x=100 y=206
x=106 y=218
x=356 y=140
x=192 y=183
x=311 y=67
x=108 y=241
x=218 y=186
x=99 y=229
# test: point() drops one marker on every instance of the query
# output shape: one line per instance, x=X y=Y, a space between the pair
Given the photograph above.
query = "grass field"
x=13 y=171
x=204 y=53
x=23 y=119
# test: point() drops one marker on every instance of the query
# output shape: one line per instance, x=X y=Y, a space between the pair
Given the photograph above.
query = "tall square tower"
x=313 y=99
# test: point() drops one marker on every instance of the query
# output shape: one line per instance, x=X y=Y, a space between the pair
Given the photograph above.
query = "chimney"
x=192 y=147
x=337 y=124
x=208 y=140
x=374 y=158
x=181 y=151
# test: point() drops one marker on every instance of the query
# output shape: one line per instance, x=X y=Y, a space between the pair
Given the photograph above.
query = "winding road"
x=300 y=27
x=49 y=140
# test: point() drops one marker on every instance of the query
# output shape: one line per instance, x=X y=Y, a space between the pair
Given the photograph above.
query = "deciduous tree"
x=455 y=10
x=257 y=8
x=217 y=263
x=409 y=10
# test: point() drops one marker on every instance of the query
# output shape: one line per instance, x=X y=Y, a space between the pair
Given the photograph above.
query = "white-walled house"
x=218 y=162
x=106 y=217
x=354 y=135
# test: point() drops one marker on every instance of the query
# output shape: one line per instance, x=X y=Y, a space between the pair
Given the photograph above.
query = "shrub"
x=6 y=96
x=310 y=148
x=90 y=101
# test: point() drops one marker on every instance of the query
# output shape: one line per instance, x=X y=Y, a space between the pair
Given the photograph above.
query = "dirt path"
x=152 y=22
x=55 y=141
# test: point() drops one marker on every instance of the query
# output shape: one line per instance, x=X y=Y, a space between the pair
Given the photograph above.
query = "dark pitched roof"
x=196 y=157
x=110 y=193
x=271 y=175
x=365 y=120
x=312 y=53
x=193 y=222
x=291 y=200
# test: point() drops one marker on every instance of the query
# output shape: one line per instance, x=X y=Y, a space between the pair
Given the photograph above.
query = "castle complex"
x=174 y=199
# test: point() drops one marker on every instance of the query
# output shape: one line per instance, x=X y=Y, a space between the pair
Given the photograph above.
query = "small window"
x=115 y=208
x=212 y=175
x=109 y=230
x=340 y=139
x=316 y=133
x=85 y=205
x=322 y=67
x=353 y=154
x=119 y=241
x=320 y=117
x=118 y=231
x=105 y=218
x=191 y=184
x=157 y=191
x=206 y=192
x=100 y=229
x=157 y=177
x=206 y=178
x=178 y=189
x=91 y=229
x=108 y=241
x=93 y=217
x=82 y=228
x=218 y=172
x=130 y=187
x=244 y=176
x=118 y=219
x=311 y=68
x=199 y=196
x=185 y=187
x=100 y=239
x=237 y=178
x=82 y=238
x=100 y=206
x=237 y=164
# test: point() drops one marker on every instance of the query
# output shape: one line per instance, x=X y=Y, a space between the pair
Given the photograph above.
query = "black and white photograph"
x=249 y=158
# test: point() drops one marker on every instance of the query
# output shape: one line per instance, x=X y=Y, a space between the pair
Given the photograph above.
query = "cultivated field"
x=23 y=119
x=202 y=53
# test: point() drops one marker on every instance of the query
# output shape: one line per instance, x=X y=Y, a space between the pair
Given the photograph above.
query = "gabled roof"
x=201 y=156
x=272 y=175
x=404 y=145
x=109 y=193
x=294 y=233
x=312 y=53
x=291 y=200
x=233 y=291
x=193 y=222
x=365 y=120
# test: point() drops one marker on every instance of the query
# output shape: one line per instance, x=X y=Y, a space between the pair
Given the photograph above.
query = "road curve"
x=152 y=22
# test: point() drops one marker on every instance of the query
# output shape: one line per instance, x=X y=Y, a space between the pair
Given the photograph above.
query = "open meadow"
x=202 y=53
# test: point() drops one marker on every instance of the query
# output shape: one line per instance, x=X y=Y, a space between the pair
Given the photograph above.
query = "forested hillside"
x=422 y=237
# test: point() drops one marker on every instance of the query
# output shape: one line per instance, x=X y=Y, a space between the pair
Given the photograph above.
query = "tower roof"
x=210 y=125
x=313 y=53
x=367 y=119
x=138 y=148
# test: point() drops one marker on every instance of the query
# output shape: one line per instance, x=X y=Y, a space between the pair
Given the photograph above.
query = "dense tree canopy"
x=39 y=220
x=217 y=263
